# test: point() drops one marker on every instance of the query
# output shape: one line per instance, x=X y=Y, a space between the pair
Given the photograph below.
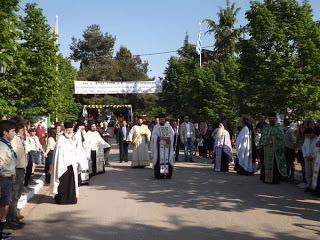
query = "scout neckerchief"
x=35 y=142
x=22 y=139
x=9 y=146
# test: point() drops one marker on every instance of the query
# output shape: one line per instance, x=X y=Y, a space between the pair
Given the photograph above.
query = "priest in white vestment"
x=162 y=151
x=64 y=177
x=315 y=184
x=222 y=148
x=139 y=137
x=246 y=148
x=97 y=144
x=83 y=149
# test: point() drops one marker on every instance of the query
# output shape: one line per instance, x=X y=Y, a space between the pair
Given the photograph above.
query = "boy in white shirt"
x=308 y=154
x=33 y=146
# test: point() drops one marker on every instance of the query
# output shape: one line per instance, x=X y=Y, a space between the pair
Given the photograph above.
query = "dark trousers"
x=177 y=154
x=123 y=147
x=290 y=155
x=202 y=151
x=32 y=158
x=94 y=162
x=17 y=189
x=47 y=165
x=177 y=148
x=106 y=154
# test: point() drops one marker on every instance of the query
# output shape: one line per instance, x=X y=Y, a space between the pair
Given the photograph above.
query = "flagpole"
x=55 y=33
x=200 y=60
x=198 y=46
x=200 y=43
x=175 y=147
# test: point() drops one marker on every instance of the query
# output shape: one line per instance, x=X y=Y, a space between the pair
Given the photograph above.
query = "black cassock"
x=66 y=189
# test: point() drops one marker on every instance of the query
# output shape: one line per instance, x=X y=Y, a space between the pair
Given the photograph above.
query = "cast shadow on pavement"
x=193 y=186
x=80 y=228
x=202 y=188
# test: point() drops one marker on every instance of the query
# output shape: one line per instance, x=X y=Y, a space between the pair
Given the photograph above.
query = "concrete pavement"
x=197 y=203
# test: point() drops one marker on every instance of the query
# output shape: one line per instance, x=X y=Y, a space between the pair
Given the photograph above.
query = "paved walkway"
x=197 y=203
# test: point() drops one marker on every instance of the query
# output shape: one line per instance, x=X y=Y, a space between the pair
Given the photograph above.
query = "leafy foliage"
x=277 y=68
x=208 y=93
x=280 y=62
x=224 y=32
x=32 y=82
x=203 y=94
x=65 y=106
x=8 y=45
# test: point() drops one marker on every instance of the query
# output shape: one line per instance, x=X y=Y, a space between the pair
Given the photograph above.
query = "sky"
x=143 y=26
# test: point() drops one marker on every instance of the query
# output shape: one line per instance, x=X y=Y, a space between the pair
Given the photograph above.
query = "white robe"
x=98 y=144
x=140 y=150
x=316 y=168
x=64 y=155
x=83 y=154
x=154 y=144
x=244 y=150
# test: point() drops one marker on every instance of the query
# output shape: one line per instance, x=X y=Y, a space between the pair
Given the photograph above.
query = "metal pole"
x=175 y=147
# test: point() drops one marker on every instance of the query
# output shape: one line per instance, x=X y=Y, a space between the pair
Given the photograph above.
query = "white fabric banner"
x=90 y=87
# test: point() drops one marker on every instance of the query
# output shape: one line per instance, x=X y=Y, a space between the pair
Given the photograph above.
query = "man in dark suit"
x=122 y=135
x=177 y=141
x=107 y=135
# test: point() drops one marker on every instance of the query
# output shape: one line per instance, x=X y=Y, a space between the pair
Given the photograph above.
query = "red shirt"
x=40 y=134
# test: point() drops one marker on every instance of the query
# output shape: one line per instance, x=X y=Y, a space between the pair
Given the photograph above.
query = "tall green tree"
x=94 y=48
x=66 y=107
x=94 y=52
x=200 y=93
x=224 y=33
x=9 y=32
x=8 y=46
x=34 y=75
x=210 y=92
x=32 y=84
x=280 y=62
x=131 y=68
x=226 y=38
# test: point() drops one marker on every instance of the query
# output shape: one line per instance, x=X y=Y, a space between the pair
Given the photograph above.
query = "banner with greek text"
x=90 y=87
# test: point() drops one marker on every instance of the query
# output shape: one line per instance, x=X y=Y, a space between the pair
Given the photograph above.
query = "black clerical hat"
x=272 y=114
x=68 y=125
x=80 y=121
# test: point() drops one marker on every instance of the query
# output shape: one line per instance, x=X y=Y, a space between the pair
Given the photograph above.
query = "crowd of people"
x=74 y=152
x=20 y=146
x=272 y=147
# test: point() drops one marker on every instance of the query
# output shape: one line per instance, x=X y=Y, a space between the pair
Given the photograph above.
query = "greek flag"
x=198 y=47
x=84 y=112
